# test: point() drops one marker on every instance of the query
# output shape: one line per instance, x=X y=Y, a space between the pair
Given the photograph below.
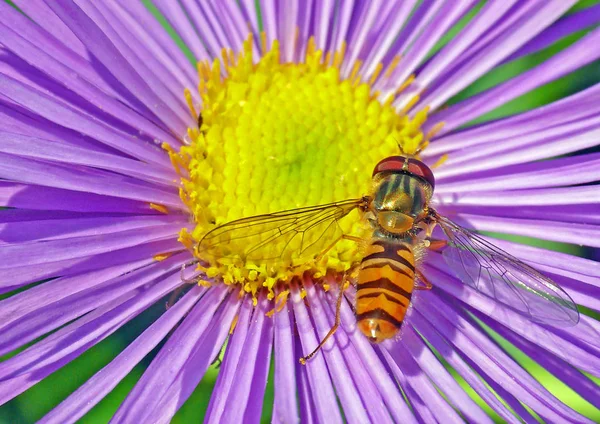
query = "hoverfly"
x=401 y=222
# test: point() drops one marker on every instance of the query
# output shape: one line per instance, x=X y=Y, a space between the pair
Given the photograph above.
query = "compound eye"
x=397 y=164
x=390 y=164
x=418 y=168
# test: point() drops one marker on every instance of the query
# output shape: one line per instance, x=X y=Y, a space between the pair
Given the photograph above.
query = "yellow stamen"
x=204 y=283
x=159 y=208
x=190 y=103
x=392 y=66
x=409 y=105
x=376 y=73
x=278 y=136
x=280 y=302
x=354 y=77
x=433 y=131
x=405 y=84
x=263 y=41
x=233 y=324
x=338 y=57
x=162 y=256
x=440 y=161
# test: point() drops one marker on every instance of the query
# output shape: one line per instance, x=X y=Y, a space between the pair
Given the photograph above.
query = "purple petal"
x=19 y=276
x=24 y=196
x=29 y=51
x=568 y=60
x=394 y=20
x=250 y=378
x=36 y=148
x=405 y=368
x=346 y=390
x=165 y=367
x=45 y=228
x=447 y=16
x=92 y=31
x=555 y=260
x=522 y=149
x=17 y=255
x=553 y=173
x=583 y=385
x=363 y=379
x=69 y=117
x=308 y=408
x=433 y=337
x=38 y=361
x=537 y=197
x=177 y=18
x=479 y=348
x=45 y=319
x=582 y=234
x=441 y=377
x=196 y=365
x=531 y=331
x=319 y=379
x=38 y=297
x=388 y=388
x=102 y=383
x=285 y=408
x=565 y=26
x=583 y=104
x=231 y=360
x=485 y=18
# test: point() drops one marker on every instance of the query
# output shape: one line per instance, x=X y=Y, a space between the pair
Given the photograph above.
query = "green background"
x=38 y=400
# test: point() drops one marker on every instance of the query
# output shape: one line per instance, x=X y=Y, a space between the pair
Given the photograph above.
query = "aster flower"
x=117 y=156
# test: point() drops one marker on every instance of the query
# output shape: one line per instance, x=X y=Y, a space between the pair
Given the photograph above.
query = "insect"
x=401 y=222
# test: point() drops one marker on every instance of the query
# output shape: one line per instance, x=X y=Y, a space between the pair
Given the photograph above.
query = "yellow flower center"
x=280 y=136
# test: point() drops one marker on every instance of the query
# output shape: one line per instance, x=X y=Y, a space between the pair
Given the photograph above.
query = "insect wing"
x=292 y=235
x=496 y=273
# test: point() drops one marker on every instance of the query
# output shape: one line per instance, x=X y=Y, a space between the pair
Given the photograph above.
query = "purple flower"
x=110 y=184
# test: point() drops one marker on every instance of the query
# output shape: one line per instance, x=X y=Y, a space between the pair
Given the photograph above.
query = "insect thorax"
x=399 y=192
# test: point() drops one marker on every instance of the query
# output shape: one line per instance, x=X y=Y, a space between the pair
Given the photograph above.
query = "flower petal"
x=285 y=408
x=46 y=318
x=38 y=361
x=99 y=385
x=319 y=379
x=167 y=364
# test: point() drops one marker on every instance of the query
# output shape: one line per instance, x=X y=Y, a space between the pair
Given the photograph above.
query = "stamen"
x=440 y=161
x=433 y=131
x=392 y=66
x=376 y=73
x=268 y=127
x=162 y=256
x=190 y=103
x=413 y=101
x=280 y=302
x=263 y=42
x=233 y=324
x=338 y=56
x=405 y=84
x=159 y=208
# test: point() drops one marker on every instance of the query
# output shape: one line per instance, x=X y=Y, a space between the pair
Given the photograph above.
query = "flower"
x=112 y=179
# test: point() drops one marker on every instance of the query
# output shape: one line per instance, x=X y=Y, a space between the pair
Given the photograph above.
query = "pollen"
x=276 y=137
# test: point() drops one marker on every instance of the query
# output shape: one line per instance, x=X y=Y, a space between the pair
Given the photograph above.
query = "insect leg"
x=436 y=245
x=338 y=307
x=188 y=280
x=321 y=255
x=426 y=284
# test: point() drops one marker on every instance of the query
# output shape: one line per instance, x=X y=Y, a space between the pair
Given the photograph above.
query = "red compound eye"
x=415 y=167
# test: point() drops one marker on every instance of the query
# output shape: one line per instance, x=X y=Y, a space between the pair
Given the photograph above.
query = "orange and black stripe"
x=385 y=285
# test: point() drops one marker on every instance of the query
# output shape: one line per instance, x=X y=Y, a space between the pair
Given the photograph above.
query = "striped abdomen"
x=385 y=285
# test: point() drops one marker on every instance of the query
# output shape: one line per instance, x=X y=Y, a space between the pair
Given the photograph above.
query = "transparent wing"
x=505 y=278
x=292 y=235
